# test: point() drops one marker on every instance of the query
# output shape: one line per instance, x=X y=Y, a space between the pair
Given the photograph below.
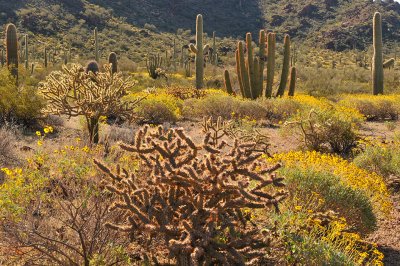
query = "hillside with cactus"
x=332 y=24
x=182 y=132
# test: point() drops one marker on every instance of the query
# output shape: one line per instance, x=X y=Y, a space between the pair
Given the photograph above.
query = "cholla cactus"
x=73 y=92
x=192 y=198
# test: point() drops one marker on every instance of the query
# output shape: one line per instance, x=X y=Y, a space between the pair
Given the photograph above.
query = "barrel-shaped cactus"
x=93 y=67
x=199 y=51
x=285 y=67
x=113 y=60
x=377 y=61
x=12 y=49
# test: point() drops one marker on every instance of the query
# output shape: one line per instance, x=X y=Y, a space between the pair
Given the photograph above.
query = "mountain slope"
x=332 y=24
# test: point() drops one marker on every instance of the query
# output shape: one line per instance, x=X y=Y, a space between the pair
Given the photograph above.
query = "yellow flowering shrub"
x=349 y=174
x=158 y=107
x=322 y=238
x=373 y=107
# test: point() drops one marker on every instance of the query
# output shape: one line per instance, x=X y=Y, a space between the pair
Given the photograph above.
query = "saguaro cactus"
x=12 y=49
x=270 y=64
x=26 y=52
x=199 y=50
x=285 y=67
x=113 y=60
x=45 y=57
x=227 y=82
x=377 y=61
x=214 y=56
x=292 y=82
x=96 y=45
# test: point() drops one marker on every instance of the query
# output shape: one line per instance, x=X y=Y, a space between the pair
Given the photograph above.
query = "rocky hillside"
x=134 y=25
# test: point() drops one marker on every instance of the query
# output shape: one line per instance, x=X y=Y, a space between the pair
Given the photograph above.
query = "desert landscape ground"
x=182 y=132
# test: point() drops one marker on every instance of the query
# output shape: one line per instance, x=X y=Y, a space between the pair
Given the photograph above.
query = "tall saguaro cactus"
x=96 y=45
x=26 y=52
x=270 y=64
x=45 y=57
x=377 y=61
x=199 y=50
x=292 y=82
x=12 y=49
x=285 y=67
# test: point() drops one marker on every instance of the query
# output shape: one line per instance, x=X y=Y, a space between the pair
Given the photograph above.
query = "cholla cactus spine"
x=377 y=62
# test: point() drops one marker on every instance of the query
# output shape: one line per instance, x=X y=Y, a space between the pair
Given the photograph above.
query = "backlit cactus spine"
x=270 y=64
x=96 y=45
x=377 y=61
x=12 y=49
x=285 y=67
x=113 y=60
x=199 y=49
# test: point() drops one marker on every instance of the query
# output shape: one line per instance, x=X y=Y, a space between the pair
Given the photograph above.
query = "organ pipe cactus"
x=292 y=82
x=285 y=67
x=270 y=64
x=250 y=71
x=377 y=61
x=12 y=49
x=227 y=82
x=153 y=64
x=113 y=60
x=199 y=50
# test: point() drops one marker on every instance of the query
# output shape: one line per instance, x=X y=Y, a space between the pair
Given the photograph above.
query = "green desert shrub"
x=158 y=108
x=374 y=107
x=327 y=128
x=217 y=104
x=353 y=204
x=20 y=103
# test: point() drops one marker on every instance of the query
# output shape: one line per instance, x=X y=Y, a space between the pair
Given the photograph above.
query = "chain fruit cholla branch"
x=192 y=197
x=72 y=92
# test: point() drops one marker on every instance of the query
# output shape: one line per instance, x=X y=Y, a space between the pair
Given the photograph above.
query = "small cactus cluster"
x=194 y=197
x=199 y=51
x=377 y=61
x=250 y=68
